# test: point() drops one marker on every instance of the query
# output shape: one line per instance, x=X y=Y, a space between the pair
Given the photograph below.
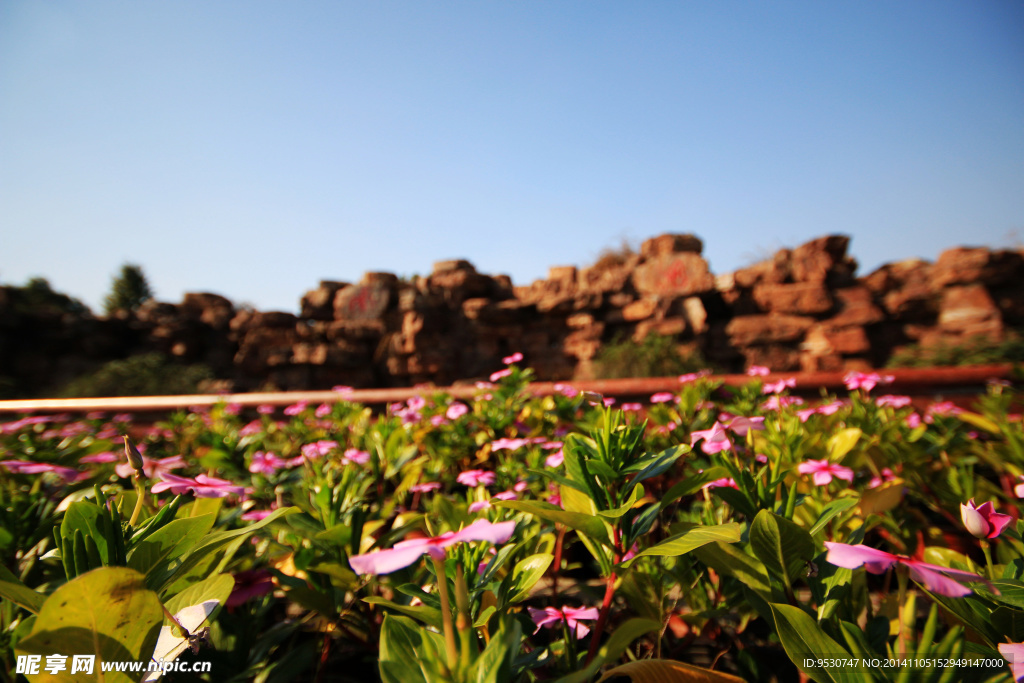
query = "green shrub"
x=128 y=291
x=151 y=374
x=979 y=350
x=656 y=356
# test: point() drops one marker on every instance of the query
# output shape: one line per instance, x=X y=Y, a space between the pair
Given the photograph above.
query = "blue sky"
x=254 y=148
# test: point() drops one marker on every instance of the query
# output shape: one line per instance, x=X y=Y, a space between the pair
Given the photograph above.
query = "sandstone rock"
x=969 y=312
x=563 y=274
x=695 y=313
x=273 y=320
x=212 y=309
x=318 y=304
x=452 y=265
x=611 y=277
x=775 y=270
x=779 y=358
x=965 y=265
x=823 y=341
x=364 y=302
x=674 y=275
x=747 y=330
x=669 y=327
x=823 y=259
x=856 y=307
x=802 y=298
x=666 y=245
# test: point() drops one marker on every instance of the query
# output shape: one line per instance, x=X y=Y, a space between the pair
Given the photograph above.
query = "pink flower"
x=266 y=463
x=322 y=410
x=514 y=358
x=887 y=475
x=663 y=397
x=105 y=456
x=893 y=401
x=406 y=552
x=342 y=389
x=983 y=521
x=740 y=425
x=480 y=505
x=296 y=408
x=779 y=386
x=475 y=478
x=425 y=487
x=354 y=455
x=942 y=408
x=558 y=457
x=249 y=584
x=859 y=380
x=1013 y=653
x=508 y=444
x=715 y=439
x=254 y=427
x=495 y=376
x=933 y=577
x=201 y=487
x=778 y=402
x=552 y=617
x=505 y=495
x=265 y=409
x=728 y=482
x=631 y=407
x=758 y=371
x=913 y=420
x=26 y=467
x=609 y=402
x=824 y=471
x=456 y=410
x=566 y=390
x=150 y=467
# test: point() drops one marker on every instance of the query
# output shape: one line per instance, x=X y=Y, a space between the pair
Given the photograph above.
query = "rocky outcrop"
x=802 y=309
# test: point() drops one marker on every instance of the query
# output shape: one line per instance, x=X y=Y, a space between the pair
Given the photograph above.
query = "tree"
x=128 y=291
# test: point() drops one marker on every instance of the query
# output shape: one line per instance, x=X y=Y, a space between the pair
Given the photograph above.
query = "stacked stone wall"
x=802 y=309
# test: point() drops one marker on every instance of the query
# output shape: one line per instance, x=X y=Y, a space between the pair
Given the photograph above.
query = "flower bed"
x=733 y=533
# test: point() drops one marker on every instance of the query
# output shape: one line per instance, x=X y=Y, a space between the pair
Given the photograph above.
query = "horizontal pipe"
x=912 y=381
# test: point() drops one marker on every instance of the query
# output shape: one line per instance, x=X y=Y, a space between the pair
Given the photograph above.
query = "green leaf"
x=804 y=642
x=731 y=561
x=781 y=545
x=210 y=544
x=170 y=541
x=400 y=640
x=979 y=421
x=11 y=588
x=217 y=587
x=84 y=516
x=691 y=539
x=830 y=511
x=692 y=485
x=524 y=576
x=659 y=463
x=107 y=612
x=428 y=615
x=842 y=442
x=591 y=525
x=625 y=507
x=625 y=634
x=495 y=663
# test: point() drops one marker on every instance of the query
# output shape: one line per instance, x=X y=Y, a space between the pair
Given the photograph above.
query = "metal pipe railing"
x=914 y=382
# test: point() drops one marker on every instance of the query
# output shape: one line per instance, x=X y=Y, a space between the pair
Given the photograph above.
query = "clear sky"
x=254 y=148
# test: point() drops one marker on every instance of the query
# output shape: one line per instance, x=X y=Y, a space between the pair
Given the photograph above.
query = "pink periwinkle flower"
x=935 y=578
x=250 y=584
x=632 y=407
x=252 y=428
x=27 y=467
x=406 y=552
x=552 y=617
x=983 y=521
x=693 y=376
x=740 y=425
x=201 y=487
x=266 y=463
x=318 y=449
x=758 y=371
x=479 y=505
x=663 y=397
x=555 y=459
x=151 y=467
x=779 y=386
x=887 y=475
x=608 y=402
x=499 y=374
x=102 y=457
x=475 y=478
x=295 y=408
x=566 y=390
x=456 y=410
x=514 y=358
x=942 y=408
x=715 y=439
x=505 y=444
x=893 y=401
x=1013 y=653
x=354 y=455
x=824 y=471
x=425 y=487
x=867 y=381
x=778 y=402
x=342 y=389
x=322 y=410
x=913 y=420
x=727 y=482
x=265 y=409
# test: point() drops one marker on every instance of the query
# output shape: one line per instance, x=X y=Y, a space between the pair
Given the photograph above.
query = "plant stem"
x=988 y=559
x=139 y=501
x=446 y=612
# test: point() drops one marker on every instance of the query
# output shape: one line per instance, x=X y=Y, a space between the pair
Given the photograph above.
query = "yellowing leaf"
x=881 y=499
x=667 y=671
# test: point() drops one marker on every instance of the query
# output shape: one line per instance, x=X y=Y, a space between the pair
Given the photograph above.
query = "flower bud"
x=983 y=521
x=133 y=455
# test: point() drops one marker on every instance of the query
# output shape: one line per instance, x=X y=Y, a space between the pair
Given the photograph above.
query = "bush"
x=656 y=356
x=128 y=291
x=151 y=374
x=979 y=350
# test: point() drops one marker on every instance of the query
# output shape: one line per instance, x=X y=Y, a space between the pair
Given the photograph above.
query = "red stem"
x=606 y=604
